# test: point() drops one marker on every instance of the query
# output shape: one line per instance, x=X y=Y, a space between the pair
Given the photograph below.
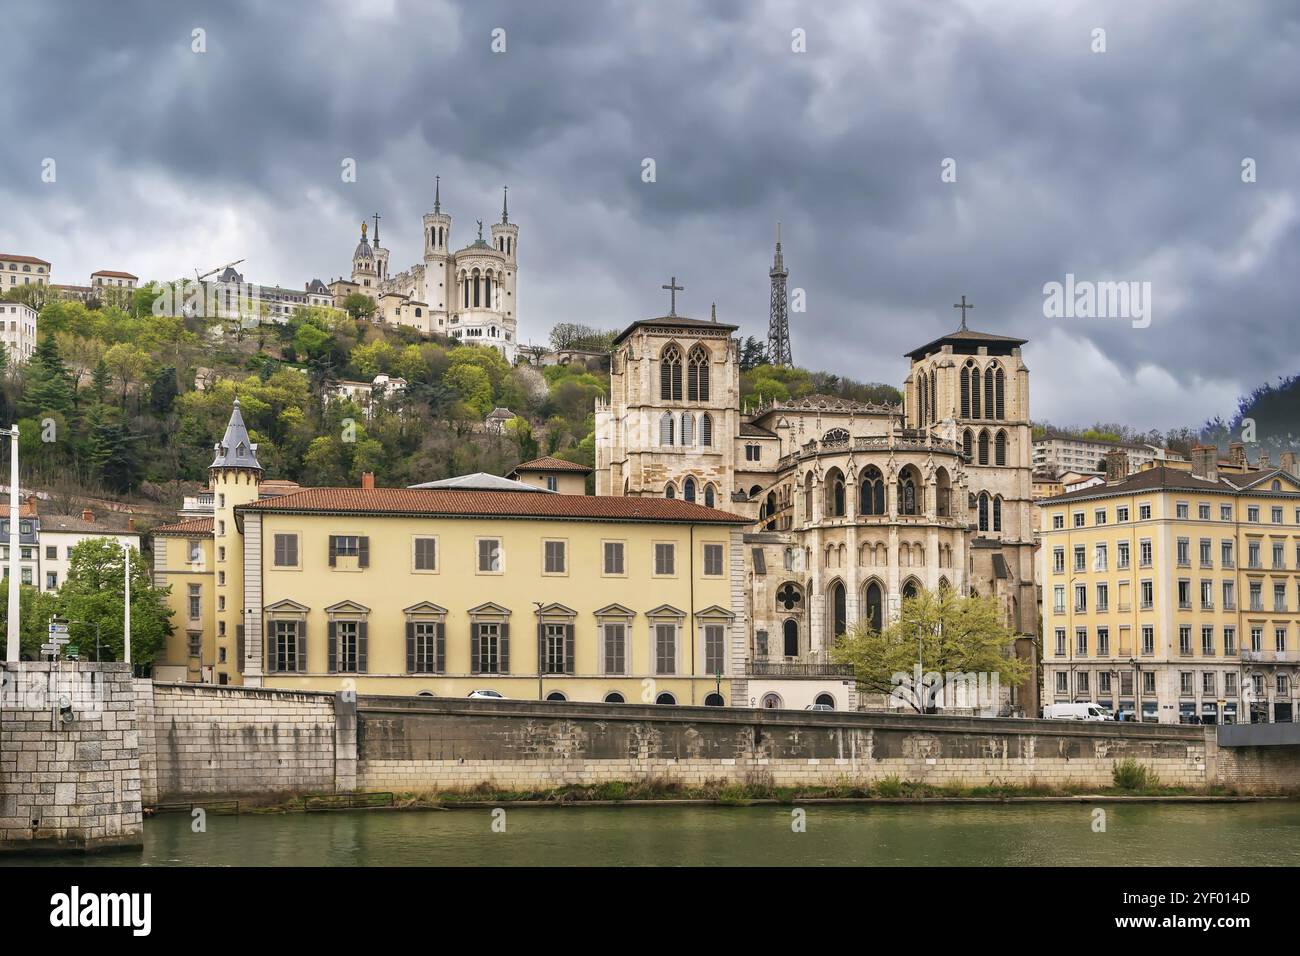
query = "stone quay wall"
x=415 y=744
x=69 y=784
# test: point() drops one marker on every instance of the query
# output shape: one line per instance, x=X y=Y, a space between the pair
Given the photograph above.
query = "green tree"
x=112 y=458
x=94 y=593
x=946 y=632
x=48 y=388
x=163 y=391
x=359 y=306
x=472 y=385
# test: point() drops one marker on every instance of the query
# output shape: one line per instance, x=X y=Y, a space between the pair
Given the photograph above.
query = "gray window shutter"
x=410 y=647
x=333 y=647
x=363 y=638
x=505 y=647
x=541 y=647
x=302 y=647
x=442 y=648
x=473 y=649
x=334 y=551
x=270 y=647
x=363 y=552
x=239 y=648
x=568 y=648
x=291 y=548
x=760 y=561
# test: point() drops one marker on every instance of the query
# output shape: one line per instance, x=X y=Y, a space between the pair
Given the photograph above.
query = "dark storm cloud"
x=1123 y=165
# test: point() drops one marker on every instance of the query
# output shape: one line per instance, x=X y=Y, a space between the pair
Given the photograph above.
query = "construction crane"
x=200 y=278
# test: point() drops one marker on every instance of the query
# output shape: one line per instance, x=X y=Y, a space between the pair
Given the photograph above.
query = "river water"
x=1249 y=834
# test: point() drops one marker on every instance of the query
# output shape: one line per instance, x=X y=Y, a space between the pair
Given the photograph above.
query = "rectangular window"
x=425 y=650
x=1144 y=553
x=51 y=552
x=1058 y=522
x=1078 y=519
x=1148 y=640
x=426 y=554
x=1279 y=556
x=1207 y=553
x=1081 y=641
x=1062 y=682
x=1121 y=514
x=555 y=639
x=194 y=602
x=1277 y=515
x=665 y=648
x=714 y=648
x=1185 y=683
x=1252 y=514
x=1058 y=599
x=1229 y=641
x=1099 y=558
x=713 y=561
x=286 y=550
x=1184 y=594
x=1207 y=641
x=1103 y=683
x=1279 y=640
x=1180 y=510
x=1184 y=552
x=1103 y=642
x=1081 y=598
x=1080 y=558
x=1185 y=640
x=1148 y=596
x=1225 y=512
x=1203 y=511
x=614 y=557
x=349 y=546
x=1081 y=683
x=1099 y=516
x=551 y=483
x=1208 y=683
x=1103 y=597
x=347 y=646
x=196 y=551
x=285 y=634
x=1058 y=560
x=665 y=559
x=489 y=648
x=554 y=557
x=1225 y=553
x=1122 y=556
x=1144 y=512
x=489 y=555
x=1207 y=595
x=615 y=638
x=1060 y=642
x=51 y=580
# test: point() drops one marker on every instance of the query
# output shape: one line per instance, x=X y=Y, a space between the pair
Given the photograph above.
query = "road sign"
x=49 y=648
x=59 y=640
x=58 y=629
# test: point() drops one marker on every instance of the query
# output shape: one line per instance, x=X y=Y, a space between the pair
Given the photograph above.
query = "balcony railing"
x=797 y=669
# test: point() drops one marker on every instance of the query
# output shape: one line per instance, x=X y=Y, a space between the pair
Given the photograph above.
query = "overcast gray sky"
x=1116 y=165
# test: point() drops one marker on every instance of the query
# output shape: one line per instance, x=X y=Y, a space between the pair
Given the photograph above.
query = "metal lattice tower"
x=778 y=326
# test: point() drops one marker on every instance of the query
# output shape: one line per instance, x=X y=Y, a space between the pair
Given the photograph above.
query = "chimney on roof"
x=87 y=515
x=130 y=523
x=1205 y=462
x=368 y=480
x=1116 y=465
x=1288 y=463
x=1237 y=454
x=1263 y=461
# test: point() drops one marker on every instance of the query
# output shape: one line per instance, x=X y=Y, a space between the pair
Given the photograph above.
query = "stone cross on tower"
x=963 y=305
x=673 y=288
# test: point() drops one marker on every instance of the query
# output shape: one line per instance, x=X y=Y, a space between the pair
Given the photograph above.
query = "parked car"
x=1084 y=711
x=485 y=695
x=819 y=707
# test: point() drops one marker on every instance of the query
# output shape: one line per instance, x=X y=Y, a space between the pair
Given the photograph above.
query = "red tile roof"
x=442 y=502
x=115 y=275
x=547 y=463
x=185 y=528
x=13 y=257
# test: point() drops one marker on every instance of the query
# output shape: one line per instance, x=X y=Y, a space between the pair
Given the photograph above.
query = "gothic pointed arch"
x=688 y=490
x=1000 y=448
x=790 y=637
x=837 y=607
x=670 y=374
x=997 y=513
x=873 y=603
x=697 y=375
x=834 y=486
x=911 y=588
x=871 y=491
x=666 y=428
x=975 y=392
x=999 y=393
x=910 y=496
x=706 y=430
x=983 y=511
x=688 y=430
x=984 y=447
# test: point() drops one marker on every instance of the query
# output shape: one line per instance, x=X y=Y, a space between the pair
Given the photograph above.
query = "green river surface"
x=1242 y=834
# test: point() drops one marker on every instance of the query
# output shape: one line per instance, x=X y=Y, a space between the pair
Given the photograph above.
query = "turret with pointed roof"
x=236 y=449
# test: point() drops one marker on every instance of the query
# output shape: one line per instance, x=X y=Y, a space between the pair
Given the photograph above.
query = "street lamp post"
x=12 y=644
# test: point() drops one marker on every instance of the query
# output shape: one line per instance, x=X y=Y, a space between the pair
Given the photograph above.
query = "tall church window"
x=933 y=403
x=990 y=406
x=666 y=429
x=874 y=604
x=839 y=610
x=706 y=430
x=999 y=394
x=921 y=404
x=983 y=511
x=478 y=289
x=670 y=491
x=1000 y=448
x=908 y=502
x=965 y=391
x=688 y=429
x=997 y=513
x=688 y=490
x=670 y=374
x=790 y=638
x=966 y=446
x=835 y=494
x=697 y=375
x=872 y=492
x=975 y=393
x=984 y=448
x=710 y=499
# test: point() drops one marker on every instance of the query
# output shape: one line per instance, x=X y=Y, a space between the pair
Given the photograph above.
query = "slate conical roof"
x=236 y=450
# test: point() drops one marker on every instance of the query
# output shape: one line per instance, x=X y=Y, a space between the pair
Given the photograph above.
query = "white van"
x=1084 y=711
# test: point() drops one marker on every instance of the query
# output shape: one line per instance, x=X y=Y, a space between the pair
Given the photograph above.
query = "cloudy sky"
x=1122 y=165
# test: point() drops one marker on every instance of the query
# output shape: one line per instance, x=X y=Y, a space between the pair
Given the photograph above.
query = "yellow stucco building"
x=1173 y=595
x=476 y=583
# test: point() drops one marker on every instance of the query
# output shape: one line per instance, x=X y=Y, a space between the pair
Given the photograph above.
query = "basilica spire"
x=437 y=194
x=505 y=211
x=236 y=450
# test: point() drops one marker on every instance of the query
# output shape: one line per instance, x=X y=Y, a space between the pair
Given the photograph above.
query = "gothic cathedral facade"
x=853 y=506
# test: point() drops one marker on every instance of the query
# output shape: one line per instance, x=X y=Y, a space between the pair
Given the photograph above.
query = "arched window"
x=709 y=499
x=825 y=700
x=790 y=638
x=965 y=390
x=688 y=429
x=614 y=697
x=835 y=503
x=771 y=701
x=874 y=603
x=706 y=430
x=997 y=513
x=999 y=394
x=975 y=392
x=670 y=491
x=556 y=695
x=966 y=447
x=933 y=401
x=983 y=511
x=478 y=289
x=910 y=589
x=697 y=375
x=666 y=429
x=670 y=374
x=1000 y=448
x=688 y=490
x=990 y=406
x=835 y=436
x=921 y=404
x=871 y=494
x=714 y=700
x=839 y=610
x=984 y=448
x=908 y=494
x=665 y=698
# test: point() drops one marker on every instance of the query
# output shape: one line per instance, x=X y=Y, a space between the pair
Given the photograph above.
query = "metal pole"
x=12 y=645
x=126 y=606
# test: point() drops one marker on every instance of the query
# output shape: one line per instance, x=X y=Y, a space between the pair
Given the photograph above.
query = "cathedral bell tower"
x=235 y=477
x=437 y=275
x=505 y=239
x=364 y=272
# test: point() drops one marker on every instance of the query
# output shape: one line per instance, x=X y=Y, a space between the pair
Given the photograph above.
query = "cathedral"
x=853 y=506
x=467 y=294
